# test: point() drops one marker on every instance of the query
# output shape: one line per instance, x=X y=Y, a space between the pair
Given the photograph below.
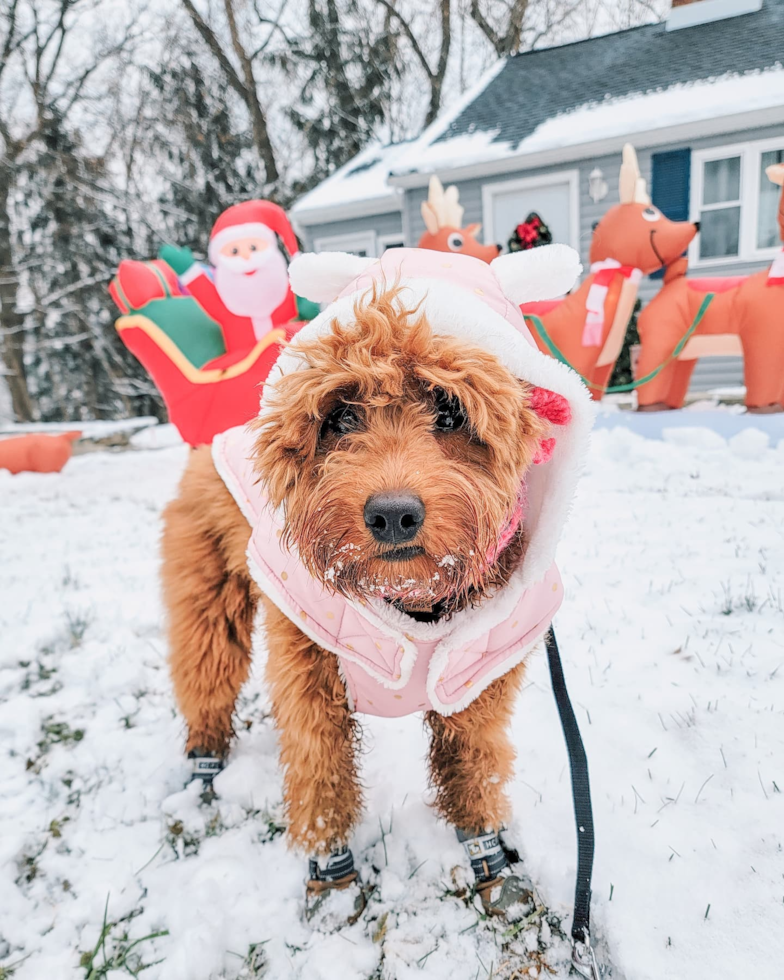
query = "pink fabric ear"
x=551 y=406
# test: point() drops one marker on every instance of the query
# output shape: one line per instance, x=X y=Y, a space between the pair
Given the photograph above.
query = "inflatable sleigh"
x=191 y=326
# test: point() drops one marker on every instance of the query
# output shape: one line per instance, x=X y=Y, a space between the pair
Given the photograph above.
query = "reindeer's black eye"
x=450 y=415
x=455 y=241
x=340 y=421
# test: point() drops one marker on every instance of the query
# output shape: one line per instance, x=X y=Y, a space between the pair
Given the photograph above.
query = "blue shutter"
x=670 y=185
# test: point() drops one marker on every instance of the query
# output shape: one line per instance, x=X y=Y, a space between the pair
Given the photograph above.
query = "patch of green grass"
x=123 y=953
x=253 y=963
x=77 y=624
x=58 y=733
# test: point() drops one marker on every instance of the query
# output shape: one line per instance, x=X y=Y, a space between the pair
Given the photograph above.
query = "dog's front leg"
x=211 y=603
x=319 y=742
x=471 y=761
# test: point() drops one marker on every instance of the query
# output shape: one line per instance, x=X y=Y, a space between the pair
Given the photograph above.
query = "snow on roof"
x=611 y=118
x=358 y=187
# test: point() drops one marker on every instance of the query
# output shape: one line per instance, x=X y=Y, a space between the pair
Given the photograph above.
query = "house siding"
x=710 y=372
x=380 y=224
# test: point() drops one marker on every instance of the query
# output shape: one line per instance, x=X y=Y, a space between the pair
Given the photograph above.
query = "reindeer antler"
x=631 y=183
x=775 y=173
x=442 y=208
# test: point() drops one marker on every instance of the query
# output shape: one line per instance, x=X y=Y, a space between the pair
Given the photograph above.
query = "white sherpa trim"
x=321 y=276
x=459 y=313
x=252 y=229
x=225 y=472
x=439 y=661
x=537 y=273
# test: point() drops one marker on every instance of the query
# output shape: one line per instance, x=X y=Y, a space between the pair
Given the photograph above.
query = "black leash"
x=583 y=957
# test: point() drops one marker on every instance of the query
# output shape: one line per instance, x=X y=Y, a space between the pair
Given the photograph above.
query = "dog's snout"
x=394 y=518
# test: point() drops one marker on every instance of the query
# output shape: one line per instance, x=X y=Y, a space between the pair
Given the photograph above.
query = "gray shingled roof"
x=538 y=85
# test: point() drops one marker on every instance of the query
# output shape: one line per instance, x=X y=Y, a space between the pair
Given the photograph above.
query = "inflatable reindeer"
x=443 y=216
x=632 y=240
x=745 y=315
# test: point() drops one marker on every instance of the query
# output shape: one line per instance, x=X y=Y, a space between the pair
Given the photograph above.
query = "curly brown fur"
x=389 y=366
x=394 y=374
x=472 y=758
x=211 y=602
x=318 y=735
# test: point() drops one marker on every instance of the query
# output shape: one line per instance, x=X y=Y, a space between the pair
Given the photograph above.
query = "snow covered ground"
x=674 y=651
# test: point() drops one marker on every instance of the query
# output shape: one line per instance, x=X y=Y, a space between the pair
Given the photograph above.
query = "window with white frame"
x=736 y=204
x=361 y=243
x=390 y=241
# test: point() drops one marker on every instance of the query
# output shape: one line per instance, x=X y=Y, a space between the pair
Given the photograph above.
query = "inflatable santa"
x=208 y=334
x=247 y=290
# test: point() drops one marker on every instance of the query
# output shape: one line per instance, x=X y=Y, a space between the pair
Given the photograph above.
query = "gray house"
x=701 y=97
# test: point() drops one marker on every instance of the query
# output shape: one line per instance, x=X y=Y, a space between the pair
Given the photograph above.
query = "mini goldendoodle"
x=395 y=509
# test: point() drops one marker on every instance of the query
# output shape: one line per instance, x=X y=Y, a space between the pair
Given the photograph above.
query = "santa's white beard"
x=256 y=296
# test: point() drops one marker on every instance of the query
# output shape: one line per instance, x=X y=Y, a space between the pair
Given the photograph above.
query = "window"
x=768 y=235
x=554 y=197
x=720 y=210
x=361 y=243
x=390 y=241
x=736 y=204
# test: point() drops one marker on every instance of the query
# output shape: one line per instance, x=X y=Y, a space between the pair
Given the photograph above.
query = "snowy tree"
x=61 y=236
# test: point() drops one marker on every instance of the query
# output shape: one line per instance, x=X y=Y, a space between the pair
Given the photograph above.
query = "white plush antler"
x=775 y=173
x=444 y=205
x=631 y=183
x=537 y=273
x=322 y=276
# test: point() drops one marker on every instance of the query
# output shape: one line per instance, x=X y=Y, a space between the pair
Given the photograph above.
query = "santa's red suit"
x=247 y=294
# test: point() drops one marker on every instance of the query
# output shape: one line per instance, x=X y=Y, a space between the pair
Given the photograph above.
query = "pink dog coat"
x=393 y=665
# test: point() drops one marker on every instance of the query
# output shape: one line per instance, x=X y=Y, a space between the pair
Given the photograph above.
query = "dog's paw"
x=204 y=766
x=332 y=905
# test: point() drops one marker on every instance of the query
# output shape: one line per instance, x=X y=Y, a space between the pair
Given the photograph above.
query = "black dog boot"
x=335 y=873
x=204 y=766
x=497 y=886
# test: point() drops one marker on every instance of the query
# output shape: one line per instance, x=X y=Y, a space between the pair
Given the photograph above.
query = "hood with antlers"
x=443 y=217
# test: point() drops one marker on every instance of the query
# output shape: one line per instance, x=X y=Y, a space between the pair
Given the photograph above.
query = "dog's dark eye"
x=340 y=421
x=450 y=415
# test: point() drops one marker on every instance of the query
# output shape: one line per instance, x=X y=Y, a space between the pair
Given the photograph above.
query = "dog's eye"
x=651 y=214
x=449 y=412
x=340 y=421
x=455 y=242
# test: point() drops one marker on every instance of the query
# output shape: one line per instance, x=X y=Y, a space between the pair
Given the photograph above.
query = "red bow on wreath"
x=530 y=233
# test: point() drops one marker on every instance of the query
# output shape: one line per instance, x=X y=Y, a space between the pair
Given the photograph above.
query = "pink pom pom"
x=545 y=451
x=551 y=406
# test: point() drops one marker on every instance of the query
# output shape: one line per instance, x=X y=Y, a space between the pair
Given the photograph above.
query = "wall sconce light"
x=597 y=185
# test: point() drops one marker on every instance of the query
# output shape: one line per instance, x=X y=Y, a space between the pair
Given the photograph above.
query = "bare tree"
x=241 y=77
x=507 y=36
x=436 y=75
x=40 y=74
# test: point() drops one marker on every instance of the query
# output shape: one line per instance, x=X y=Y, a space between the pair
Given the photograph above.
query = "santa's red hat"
x=261 y=219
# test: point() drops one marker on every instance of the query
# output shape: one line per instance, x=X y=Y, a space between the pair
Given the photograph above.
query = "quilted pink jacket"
x=391 y=664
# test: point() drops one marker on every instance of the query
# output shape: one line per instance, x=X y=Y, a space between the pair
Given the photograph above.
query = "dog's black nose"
x=697 y=225
x=394 y=518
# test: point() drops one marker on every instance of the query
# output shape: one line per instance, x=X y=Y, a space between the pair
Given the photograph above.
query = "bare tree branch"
x=508 y=42
x=245 y=87
x=260 y=132
x=212 y=42
x=435 y=76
